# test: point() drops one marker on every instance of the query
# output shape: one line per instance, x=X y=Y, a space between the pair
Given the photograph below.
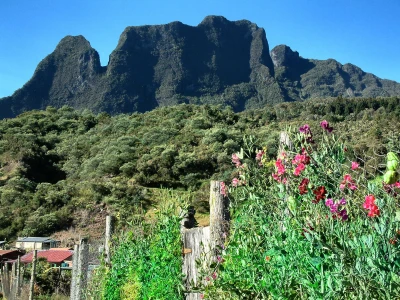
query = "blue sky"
x=365 y=33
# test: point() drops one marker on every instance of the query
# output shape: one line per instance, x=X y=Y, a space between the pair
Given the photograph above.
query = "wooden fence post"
x=107 y=242
x=81 y=278
x=219 y=215
x=201 y=243
x=33 y=274
x=17 y=278
x=284 y=142
x=3 y=280
x=74 y=274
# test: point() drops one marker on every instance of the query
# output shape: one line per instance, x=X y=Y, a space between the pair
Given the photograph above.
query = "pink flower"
x=354 y=165
x=369 y=201
x=214 y=275
x=280 y=167
x=349 y=182
x=374 y=212
x=236 y=160
x=299 y=169
x=276 y=177
x=325 y=125
x=235 y=182
x=352 y=186
x=259 y=155
x=370 y=205
x=201 y=296
x=223 y=190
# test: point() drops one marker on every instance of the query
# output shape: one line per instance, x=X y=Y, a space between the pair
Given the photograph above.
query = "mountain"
x=216 y=62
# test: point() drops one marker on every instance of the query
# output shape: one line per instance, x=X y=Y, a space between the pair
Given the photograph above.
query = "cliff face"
x=216 y=62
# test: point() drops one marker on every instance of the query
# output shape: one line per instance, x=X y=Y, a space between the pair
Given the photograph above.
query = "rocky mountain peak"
x=217 y=62
x=283 y=56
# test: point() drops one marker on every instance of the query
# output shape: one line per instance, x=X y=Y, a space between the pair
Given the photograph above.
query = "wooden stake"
x=33 y=274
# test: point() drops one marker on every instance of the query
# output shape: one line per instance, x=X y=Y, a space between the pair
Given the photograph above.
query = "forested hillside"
x=57 y=164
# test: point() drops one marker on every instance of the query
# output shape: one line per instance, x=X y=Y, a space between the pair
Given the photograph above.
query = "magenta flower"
x=334 y=208
x=343 y=215
x=354 y=165
x=325 y=125
x=328 y=202
x=305 y=129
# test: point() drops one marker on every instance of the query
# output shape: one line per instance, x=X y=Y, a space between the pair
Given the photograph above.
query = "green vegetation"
x=316 y=229
x=147 y=259
x=57 y=163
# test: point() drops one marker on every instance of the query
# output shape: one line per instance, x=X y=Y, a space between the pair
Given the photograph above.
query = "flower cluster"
x=336 y=209
x=354 y=165
x=237 y=182
x=259 y=156
x=300 y=161
x=306 y=131
x=236 y=160
x=280 y=168
x=223 y=190
x=392 y=189
x=320 y=194
x=325 y=125
x=348 y=182
x=370 y=205
x=303 y=186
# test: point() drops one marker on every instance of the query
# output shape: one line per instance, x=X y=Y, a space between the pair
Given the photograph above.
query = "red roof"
x=52 y=256
x=2 y=252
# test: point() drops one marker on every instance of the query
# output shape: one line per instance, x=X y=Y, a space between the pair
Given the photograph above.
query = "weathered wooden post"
x=33 y=274
x=107 y=242
x=74 y=274
x=284 y=141
x=195 y=245
x=3 y=280
x=201 y=243
x=17 y=278
x=82 y=269
x=219 y=215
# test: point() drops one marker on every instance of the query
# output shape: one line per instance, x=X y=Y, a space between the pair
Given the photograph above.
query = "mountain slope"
x=216 y=62
x=302 y=79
